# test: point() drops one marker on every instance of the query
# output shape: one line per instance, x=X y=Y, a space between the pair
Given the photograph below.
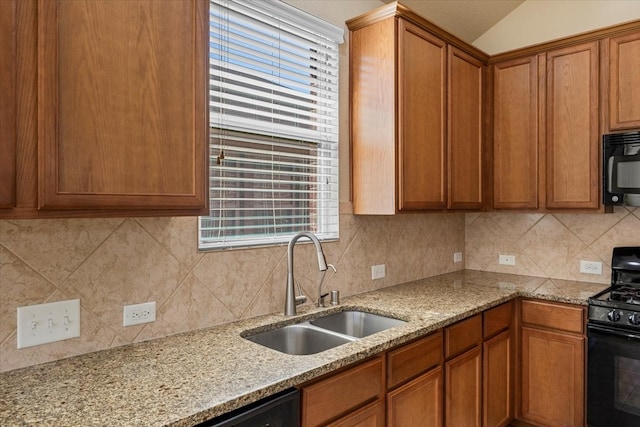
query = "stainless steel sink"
x=324 y=332
x=356 y=323
x=299 y=339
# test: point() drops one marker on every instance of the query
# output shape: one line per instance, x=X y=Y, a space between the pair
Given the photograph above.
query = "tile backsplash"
x=109 y=263
x=549 y=245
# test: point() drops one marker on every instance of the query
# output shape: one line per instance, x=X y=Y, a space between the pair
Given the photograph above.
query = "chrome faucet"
x=291 y=300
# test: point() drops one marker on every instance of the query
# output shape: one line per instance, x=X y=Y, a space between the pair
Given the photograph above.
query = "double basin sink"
x=323 y=333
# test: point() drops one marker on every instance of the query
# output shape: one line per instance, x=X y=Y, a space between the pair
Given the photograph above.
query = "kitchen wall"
x=108 y=263
x=542 y=20
x=549 y=245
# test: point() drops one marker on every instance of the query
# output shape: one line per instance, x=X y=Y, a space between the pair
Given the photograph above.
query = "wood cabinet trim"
x=470 y=388
x=586 y=37
x=560 y=191
x=630 y=91
x=560 y=408
x=398 y=10
x=413 y=359
x=497 y=319
x=419 y=135
x=50 y=195
x=560 y=317
x=8 y=103
x=465 y=142
x=503 y=179
x=371 y=415
x=503 y=380
x=333 y=396
x=431 y=385
x=462 y=336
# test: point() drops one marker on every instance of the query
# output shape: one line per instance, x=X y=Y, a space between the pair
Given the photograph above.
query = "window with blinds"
x=273 y=103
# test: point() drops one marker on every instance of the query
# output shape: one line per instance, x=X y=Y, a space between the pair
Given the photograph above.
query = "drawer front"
x=497 y=319
x=563 y=317
x=413 y=359
x=463 y=335
x=342 y=392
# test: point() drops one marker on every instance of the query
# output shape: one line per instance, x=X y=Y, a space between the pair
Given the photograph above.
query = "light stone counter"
x=187 y=378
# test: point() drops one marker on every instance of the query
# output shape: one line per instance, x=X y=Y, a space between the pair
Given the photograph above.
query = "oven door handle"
x=616 y=332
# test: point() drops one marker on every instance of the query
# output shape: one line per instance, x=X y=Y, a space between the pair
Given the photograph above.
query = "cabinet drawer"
x=562 y=317
x=413 y=359
x=497 y=319
x=340 y=393
x=462 y=336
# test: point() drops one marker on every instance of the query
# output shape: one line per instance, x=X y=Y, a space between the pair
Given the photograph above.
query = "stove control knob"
x=614 y=316
x=634 y=319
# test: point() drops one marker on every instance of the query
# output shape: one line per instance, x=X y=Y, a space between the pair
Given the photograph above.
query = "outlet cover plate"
x=457 y=257
x=507 y=259
x=136 y=314
x=591 y=267
x=46 y=323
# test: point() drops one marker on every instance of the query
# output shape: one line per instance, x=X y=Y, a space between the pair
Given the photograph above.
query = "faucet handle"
x=300 y=298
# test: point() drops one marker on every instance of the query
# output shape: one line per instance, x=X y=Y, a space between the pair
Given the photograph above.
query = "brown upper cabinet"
x=114 y=108
x=546 y=138
x=572 y=138
x=624 y=82
x=7 y=104
x=515 y=134
x=416 y=120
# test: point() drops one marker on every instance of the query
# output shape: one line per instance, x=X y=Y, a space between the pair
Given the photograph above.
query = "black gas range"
x=619 y=305
x=613 y=331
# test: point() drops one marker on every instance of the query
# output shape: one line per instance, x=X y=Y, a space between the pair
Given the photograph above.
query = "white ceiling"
x=467 y=19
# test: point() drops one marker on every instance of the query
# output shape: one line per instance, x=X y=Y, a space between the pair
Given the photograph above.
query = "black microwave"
x=621 y=168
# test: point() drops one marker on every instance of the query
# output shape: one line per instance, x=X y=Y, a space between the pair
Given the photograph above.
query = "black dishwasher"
x=279 y=410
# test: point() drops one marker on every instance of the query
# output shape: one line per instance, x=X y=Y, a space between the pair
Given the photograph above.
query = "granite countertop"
x=188 y=378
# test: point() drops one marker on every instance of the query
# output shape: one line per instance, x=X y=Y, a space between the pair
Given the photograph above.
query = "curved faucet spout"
x=291 y=301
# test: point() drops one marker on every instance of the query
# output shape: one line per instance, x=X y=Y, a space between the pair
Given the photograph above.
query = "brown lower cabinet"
x=465 y=375
x=552 y=364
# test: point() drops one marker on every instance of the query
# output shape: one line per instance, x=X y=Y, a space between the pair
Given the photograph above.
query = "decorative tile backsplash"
x=549 y=245
x=109 y=263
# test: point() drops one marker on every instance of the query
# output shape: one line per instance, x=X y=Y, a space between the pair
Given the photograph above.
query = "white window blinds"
x=274 y=125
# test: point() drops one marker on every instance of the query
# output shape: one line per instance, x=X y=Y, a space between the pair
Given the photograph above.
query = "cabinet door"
x=497 y=360
x=624 y=82
x=122 y=104
x=463 y=388
x=464 y=134
x=421 y=114
x=371 y=415
x=339 y=394
x=572 y=137
x=417 y=403
x=7 y=104
x=515 y=134
x=552 y=378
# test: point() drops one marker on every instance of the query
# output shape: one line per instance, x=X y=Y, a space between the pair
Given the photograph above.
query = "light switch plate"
x=50 y=322
x=378 y=271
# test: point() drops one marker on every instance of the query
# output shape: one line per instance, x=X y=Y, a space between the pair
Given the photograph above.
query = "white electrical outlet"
x=507 y=259
x=45 y=323
x=136 y=314
x=591 y=267
x=457 y=257
x=377 y=271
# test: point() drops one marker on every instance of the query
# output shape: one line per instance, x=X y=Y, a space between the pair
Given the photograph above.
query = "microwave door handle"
x=609 y=173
